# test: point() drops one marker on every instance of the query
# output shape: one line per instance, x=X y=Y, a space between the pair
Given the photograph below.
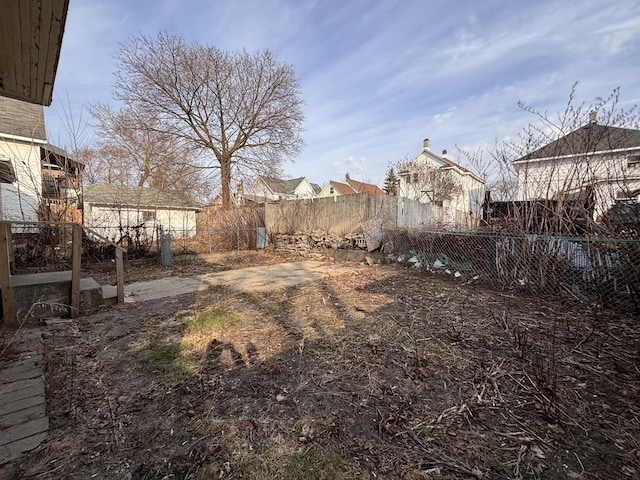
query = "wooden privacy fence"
x=346 y=214
x=6 y=256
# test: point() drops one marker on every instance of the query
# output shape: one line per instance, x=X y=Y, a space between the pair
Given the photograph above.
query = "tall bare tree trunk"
x=225 y=176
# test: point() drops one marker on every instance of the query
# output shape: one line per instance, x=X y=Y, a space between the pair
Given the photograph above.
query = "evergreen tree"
x=391 y=182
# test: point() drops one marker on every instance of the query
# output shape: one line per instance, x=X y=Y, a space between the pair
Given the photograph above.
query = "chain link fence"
x=224 y=239
x=41 y=247
x=36 y=248
x=601 y=272
x=144 y=241
x=48 y=247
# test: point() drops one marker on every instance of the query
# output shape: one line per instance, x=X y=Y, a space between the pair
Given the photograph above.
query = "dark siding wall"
x=22 y=119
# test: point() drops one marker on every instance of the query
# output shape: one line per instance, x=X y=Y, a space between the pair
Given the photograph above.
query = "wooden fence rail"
x=6 y=254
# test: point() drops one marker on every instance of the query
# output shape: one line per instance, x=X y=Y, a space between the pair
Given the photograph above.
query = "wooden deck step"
x=23 y=419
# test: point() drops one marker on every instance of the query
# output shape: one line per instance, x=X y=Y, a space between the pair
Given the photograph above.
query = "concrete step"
x=41 y=295
x=110 y=294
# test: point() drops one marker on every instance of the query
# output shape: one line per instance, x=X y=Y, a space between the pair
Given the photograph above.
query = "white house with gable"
x=452 y=190
x=598 y=165
x=273 y=189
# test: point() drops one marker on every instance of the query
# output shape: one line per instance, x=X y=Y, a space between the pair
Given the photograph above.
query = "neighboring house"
x=38 y=181
x=348 y=187
x=273 y=189
x=432 y=179
x=115 y=210
x=237 y=198
x=596 y=167
x=335 y=189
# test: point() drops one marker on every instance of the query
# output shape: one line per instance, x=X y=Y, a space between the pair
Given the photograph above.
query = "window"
x=7 y=173
x=50 y=186
x=330 y=190
x=148 y=215
x=633 y=161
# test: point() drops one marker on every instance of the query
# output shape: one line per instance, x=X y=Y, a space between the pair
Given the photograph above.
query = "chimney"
x=444 y=153
x=593 y=119
x=426 y=143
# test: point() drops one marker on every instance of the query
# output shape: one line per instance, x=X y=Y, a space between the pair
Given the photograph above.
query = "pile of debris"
x=441 y=264
x=303 y=243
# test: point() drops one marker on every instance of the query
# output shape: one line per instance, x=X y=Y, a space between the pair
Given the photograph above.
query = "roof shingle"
x=128 y=195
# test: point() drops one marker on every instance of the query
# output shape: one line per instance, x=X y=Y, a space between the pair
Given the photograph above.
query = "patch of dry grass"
x=379 y=373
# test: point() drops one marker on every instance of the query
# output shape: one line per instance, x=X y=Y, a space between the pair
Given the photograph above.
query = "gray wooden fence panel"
x=338 y=215
x=347 y=214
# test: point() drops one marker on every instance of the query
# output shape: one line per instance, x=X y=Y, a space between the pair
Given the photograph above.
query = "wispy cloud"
x=379 y=77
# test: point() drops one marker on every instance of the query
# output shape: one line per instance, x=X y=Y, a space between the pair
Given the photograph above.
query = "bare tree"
x=501 y=178
x=132 y=149
x=428 y=182
x=573 y=166
x=243 y=109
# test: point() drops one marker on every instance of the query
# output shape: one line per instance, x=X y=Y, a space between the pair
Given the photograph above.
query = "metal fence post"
x=165 y=249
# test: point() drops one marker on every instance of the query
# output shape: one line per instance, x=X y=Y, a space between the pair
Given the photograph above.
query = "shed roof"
x=108 y=194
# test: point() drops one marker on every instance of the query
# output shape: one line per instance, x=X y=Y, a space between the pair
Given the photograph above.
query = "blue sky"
x=379 y=76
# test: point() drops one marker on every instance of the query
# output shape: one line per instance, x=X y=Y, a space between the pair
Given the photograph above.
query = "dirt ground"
x=380 y=373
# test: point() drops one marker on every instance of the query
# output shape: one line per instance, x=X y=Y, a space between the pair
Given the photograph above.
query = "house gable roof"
x=342 y=188
x=278 y=185
x=589 y=139
x=107 y=194
x=442 y=163
x=363 y=187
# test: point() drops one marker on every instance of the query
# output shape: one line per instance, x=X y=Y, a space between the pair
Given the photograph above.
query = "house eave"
x=30 y=48
x=130 y=206
x=18 y=138
x=524 y=161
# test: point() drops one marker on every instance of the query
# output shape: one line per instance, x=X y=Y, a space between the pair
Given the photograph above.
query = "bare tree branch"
x=243 y=108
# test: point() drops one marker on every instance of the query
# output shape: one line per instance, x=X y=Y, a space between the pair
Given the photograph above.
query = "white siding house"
x=36 y=178
x=113 y=210
x=435 y=180
x=597 y=163
x=20 y=186
x=270 y=188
